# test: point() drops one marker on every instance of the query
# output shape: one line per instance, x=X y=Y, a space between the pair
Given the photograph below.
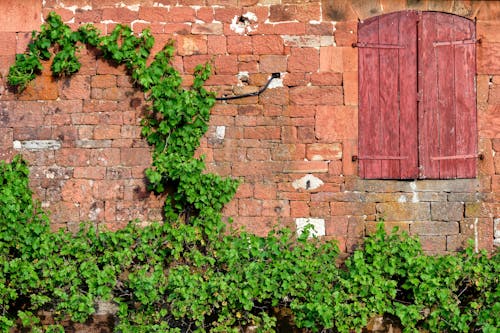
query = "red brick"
x=326 y=79
x=106 y=67
x=75 y=87
x=87 y=16
x=288 y=152
x=267 y=44
x=205 y=14
x=41 y=88
x=121 y=15
x=346 y=33
x=316 y=95
x=135 y=156
x=189 y=45
x=181 y=15
x=336 y=226
x=296 y=79
x=331 y=59
x=216 y=44
x=487 y=62
x=301 y=12
x=89 y=172
x=103 y=81
x=265 y=191
x=153 y=14
x=191 y=62
x=104 y=156
x=249 y=207
x=76 y=190
x=273 y=63
x=336 y=122
x=324 y=151
x=227 y=14
x=289 y=28
x=350 y=83
x=352 y=208
x=20 y=15
x=321 y=29
x=226 y=64
x=207 y=29
x=8 y=42
x=258 y=154
x=239 y=45
x=303 y=60
x=299 y=209
x=306 y=167
x=263 y=132
x=73 y=157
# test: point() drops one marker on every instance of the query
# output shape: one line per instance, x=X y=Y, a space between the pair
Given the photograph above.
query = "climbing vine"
x=187 y=275
x=176 y=121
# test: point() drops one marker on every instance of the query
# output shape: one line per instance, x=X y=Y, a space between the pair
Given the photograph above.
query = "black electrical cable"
x=256 y=93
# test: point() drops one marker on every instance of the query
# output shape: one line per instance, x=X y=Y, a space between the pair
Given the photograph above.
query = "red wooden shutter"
x=447 y=109
x=387 y=101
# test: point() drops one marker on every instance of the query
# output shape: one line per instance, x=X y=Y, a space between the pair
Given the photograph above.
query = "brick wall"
x=292 y=146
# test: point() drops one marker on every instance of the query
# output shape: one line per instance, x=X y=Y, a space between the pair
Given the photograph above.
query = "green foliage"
x=188 y=274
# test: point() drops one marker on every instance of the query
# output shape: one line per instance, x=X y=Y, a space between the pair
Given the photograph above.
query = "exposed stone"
x=447 y=211
x=408 y=211
x=434 y=228
x=308 y=182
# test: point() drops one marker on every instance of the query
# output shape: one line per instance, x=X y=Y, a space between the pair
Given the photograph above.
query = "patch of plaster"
x=317 y=226
x=244 y=24
x=308 y=182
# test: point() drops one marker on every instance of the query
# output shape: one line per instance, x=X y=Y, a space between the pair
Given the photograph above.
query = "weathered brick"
x=287 y=28
x=20 y=16
x=273 y=63
x=270 y=44
x=326 y=79
x=306 y=167
x=122 y=15
x=331 y=59
x=135 y=156
x=191 y=45
x=324 y=151
x=216 y=44
x=303 y=60
x=350 y=83
x=487 y=63
x=336 y=226
x=434 y=244
x=434 y=228
x=262 y=132
x=89 y=172
x=407 y=211
x=316 y=95
x=41 y=88
x=352 y=208
x=239 y=45
x=346 y=33
x=447 y=211
x=226 y=64
x=299 y=208
x=336 y=123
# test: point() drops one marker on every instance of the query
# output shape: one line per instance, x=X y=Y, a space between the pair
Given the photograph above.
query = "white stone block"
x=318 y=226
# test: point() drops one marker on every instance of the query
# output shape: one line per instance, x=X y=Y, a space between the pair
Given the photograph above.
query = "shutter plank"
x=428 y=132
x=369 y=133
x=407 y=96
x=466 y=136
x=447 y=112
x=389 y=105
x=446 y=115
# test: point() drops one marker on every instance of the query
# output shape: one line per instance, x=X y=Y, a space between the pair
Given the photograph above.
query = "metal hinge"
x=378 y=46
x=378 y=157
x=457 y=157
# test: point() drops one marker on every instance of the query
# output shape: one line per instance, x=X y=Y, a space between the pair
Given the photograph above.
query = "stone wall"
x=292 y=146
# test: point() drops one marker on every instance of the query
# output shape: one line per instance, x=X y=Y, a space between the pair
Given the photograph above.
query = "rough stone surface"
x=293 y=146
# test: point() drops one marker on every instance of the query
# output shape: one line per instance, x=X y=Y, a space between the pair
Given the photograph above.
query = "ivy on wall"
x=188 y=274
x=176 y=121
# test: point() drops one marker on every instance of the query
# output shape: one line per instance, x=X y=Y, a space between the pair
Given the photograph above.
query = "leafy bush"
x=190 y=274
x=170 y=278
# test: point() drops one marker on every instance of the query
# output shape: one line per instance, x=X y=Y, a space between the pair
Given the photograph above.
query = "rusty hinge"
x=454 y=42
x=457 y=157
x=378 y=157
x=378 y=46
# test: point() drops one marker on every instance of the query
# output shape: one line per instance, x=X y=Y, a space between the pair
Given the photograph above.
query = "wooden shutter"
x=447 y=108
x=387 y=101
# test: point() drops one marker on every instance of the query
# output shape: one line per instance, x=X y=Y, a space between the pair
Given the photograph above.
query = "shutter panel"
x=387 y=101
x=447 y=110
